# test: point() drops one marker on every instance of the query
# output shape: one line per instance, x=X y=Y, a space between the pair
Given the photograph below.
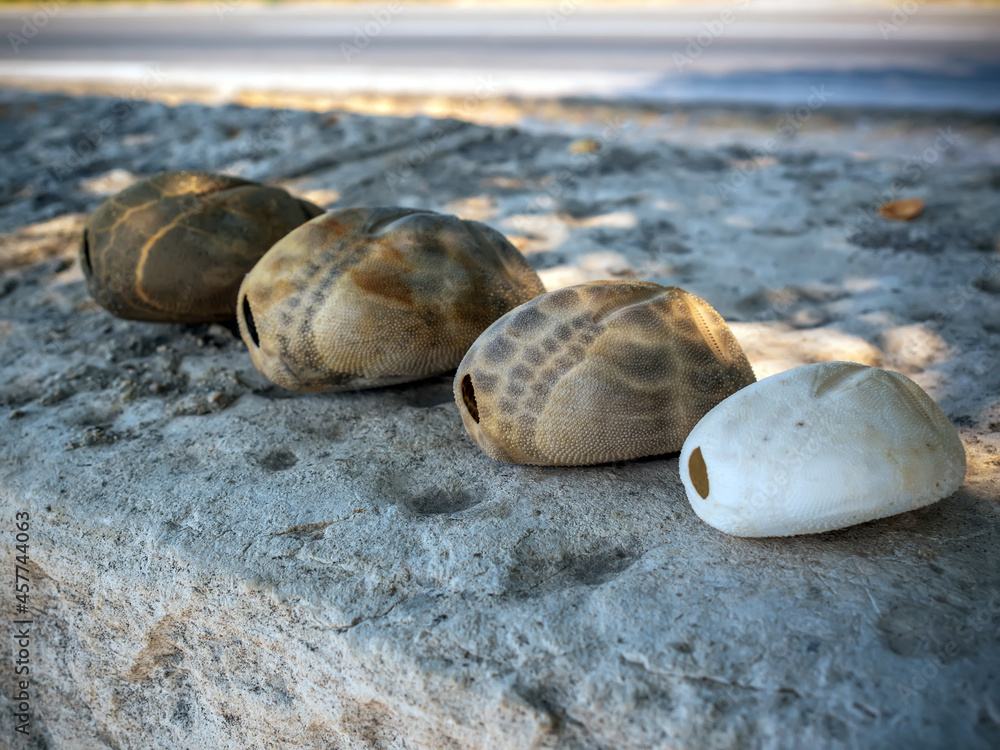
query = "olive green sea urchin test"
x=174 y=248
x=605 y=371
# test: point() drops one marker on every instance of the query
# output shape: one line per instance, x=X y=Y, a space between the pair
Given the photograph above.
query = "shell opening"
x=311 y=210
x=88 y=267
x=248 y=317
x=698 y=472
x=469 y=397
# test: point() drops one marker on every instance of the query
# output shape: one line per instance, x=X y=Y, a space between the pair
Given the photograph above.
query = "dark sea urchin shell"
x=174 y=248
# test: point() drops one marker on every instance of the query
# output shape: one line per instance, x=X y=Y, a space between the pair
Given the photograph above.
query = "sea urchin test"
x=174 y=248
x=817 y=448
x=604 y=371
x=361 y=297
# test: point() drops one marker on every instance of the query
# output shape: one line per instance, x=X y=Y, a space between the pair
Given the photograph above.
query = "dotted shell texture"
x=360 y=297
x=598 y=372
x=174 y=248
x=820 y=447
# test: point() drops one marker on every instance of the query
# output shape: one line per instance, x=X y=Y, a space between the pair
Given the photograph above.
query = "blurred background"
x=702 y=72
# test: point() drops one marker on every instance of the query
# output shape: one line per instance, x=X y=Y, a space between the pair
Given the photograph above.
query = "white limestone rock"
x=218 y=563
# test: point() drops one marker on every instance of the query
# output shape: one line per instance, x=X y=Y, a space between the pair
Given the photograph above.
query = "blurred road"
x=931 y=58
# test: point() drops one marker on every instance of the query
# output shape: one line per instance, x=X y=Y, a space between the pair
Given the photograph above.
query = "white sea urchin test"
x=820 y=447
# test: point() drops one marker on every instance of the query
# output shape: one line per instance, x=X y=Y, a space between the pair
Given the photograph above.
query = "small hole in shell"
x=698 y=472
x=248 y=317
x=469 y=397
x=85 y=255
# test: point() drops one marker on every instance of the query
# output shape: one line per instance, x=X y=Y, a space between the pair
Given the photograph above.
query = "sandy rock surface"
x=218 y=563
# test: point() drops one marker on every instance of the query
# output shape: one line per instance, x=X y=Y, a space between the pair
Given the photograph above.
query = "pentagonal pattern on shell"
x=367 y=297
x=175 y=247
x=597 y=372
x=820 y=447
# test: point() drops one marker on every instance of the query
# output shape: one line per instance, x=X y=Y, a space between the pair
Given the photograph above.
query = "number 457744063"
x=21 y=581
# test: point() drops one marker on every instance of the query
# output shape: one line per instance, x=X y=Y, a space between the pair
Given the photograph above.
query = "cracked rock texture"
x=218 y=563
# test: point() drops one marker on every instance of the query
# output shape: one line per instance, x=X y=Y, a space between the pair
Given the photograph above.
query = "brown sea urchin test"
x=598 y=372
x=174 y=248
x=360 y=297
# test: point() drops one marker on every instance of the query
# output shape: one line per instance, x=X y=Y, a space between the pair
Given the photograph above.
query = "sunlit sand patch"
x=912 y=347
x=739 y=221
x=476 y=208
x=561 y=276
x=506 y=183
x=759 y=163
x=600 y=266
x=109 y=182
x=537 y=232
x=613 y=220
x=41 y=241
x=606 y=264
x=775 y=347
x=320 y=197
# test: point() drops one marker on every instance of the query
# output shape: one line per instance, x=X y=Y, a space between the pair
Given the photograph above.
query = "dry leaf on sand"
x=903 y=210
